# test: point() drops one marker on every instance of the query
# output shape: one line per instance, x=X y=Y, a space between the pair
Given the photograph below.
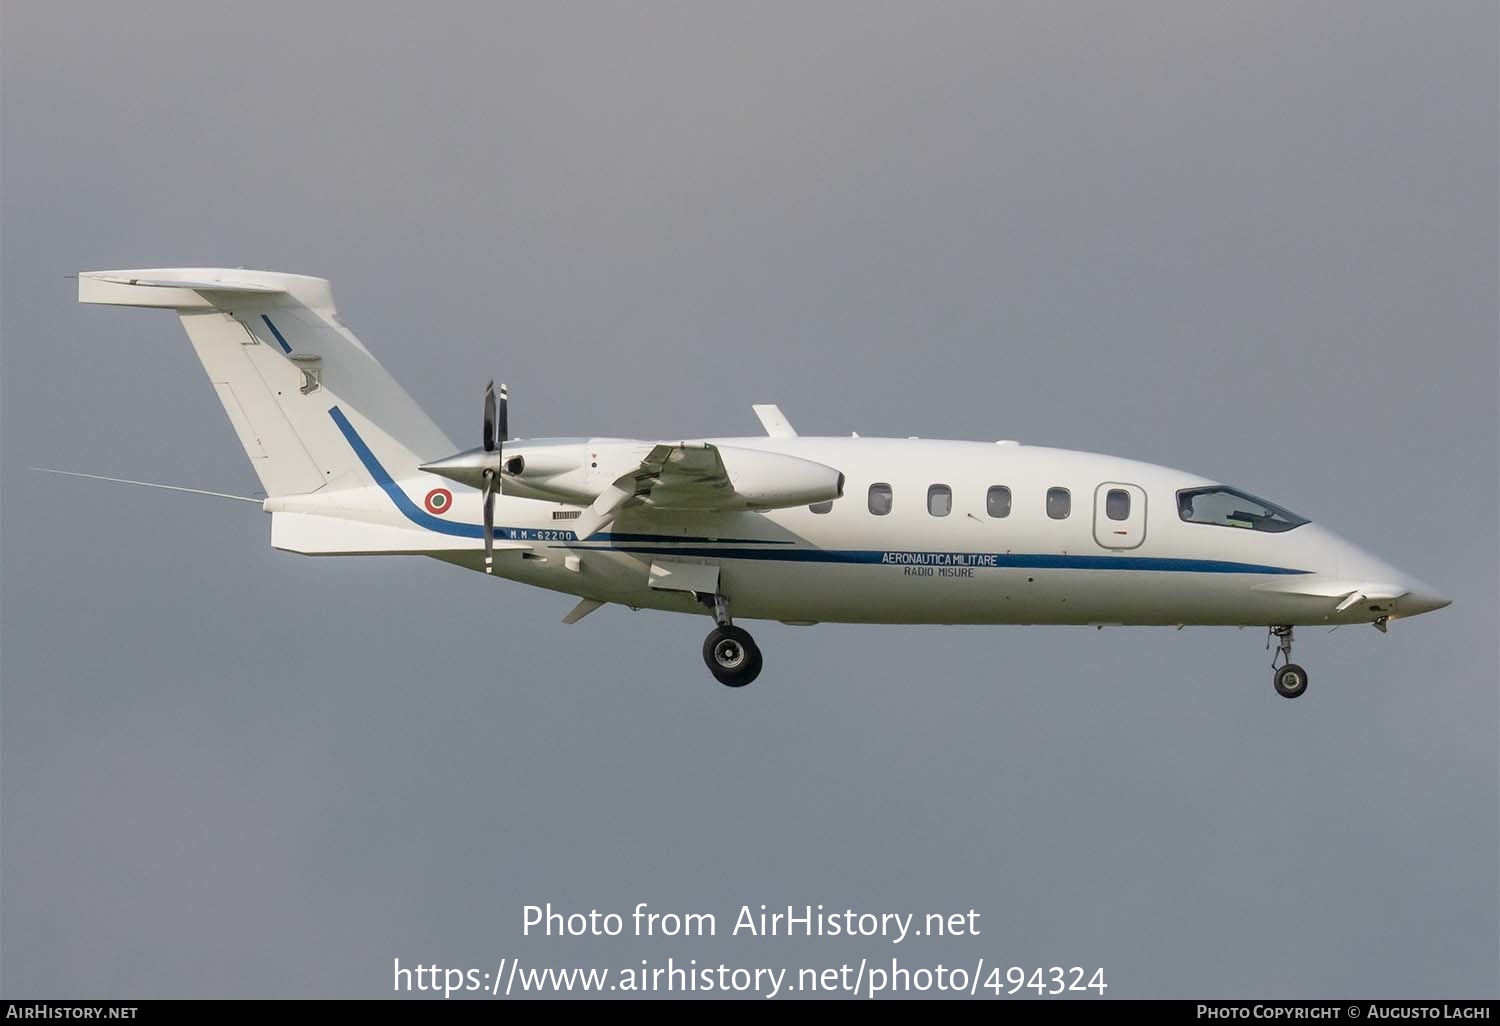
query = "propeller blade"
x=496 y=432
x=489 y=416
x=489 y=521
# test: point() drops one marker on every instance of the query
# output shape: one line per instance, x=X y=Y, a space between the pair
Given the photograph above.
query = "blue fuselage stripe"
x=610 y=542
x=279 y=337
x=1015 y=561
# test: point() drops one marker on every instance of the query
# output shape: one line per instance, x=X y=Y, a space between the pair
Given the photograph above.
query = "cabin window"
x=1117 y=504
x=940 y=500
x=1059 y=503
x=822 y=507
x=1230 y=507
x=880 y=499
x=997 y=501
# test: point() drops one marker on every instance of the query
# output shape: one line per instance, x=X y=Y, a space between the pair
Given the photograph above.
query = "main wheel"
x=732 y=656
x=1290 y=680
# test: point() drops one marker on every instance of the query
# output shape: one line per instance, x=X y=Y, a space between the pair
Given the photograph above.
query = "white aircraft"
x=802 y=530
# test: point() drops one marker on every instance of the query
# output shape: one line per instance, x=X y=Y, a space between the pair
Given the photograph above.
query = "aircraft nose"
x=1421 y=599
x=1413 y=596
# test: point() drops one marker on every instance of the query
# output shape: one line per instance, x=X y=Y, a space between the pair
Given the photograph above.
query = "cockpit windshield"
x=1230 y=507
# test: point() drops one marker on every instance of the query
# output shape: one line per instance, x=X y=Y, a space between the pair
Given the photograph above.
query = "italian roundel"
x=438 y=500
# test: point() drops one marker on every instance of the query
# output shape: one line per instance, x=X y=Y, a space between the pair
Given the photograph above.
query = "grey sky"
x=1253 y=241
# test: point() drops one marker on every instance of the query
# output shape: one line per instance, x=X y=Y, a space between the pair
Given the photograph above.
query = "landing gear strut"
x=731 y=654
x=1290 y=679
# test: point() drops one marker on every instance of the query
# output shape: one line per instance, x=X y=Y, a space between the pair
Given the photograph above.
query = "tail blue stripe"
x=279 y=337
x=403 y=502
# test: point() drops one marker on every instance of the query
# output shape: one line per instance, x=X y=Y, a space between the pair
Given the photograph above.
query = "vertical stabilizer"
x=279 y=360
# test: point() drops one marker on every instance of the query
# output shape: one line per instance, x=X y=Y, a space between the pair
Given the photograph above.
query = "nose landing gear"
x=1290 y=679
x=732 y=655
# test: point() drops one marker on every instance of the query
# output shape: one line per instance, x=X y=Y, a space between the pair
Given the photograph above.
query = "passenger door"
x=1119 y=515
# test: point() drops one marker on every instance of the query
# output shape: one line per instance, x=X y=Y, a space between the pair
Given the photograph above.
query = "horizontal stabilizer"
x=313 y=535
x=196 y=286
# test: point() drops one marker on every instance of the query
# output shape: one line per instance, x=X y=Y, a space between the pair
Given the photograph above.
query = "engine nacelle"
x=551 y=471
x=577 y=471
x=773 y=480
x=537 y=461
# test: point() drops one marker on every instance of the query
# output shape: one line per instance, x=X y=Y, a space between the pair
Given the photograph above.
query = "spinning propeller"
x=496 y=433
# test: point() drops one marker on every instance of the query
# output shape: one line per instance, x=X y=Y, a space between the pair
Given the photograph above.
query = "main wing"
x=707 y=477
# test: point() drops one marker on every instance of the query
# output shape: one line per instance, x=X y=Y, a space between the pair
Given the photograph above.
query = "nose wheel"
x=1289 y=679
x=731 y=653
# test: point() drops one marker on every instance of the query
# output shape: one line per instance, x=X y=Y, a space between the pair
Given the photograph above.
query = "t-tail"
x=312 y=408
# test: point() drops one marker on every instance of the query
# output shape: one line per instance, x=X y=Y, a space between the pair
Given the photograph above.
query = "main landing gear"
x=1290 y=679
x=732 y=655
